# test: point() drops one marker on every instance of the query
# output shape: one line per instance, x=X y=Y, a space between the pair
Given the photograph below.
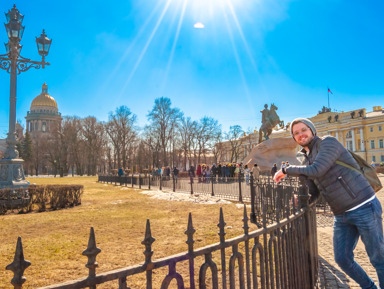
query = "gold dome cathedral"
x=43 y=99
x=44 y=115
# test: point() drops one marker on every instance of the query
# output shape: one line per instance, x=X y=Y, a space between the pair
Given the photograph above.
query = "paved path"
x=330 y=275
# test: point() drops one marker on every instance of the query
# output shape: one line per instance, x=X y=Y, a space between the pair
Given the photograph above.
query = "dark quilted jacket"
x=342 y=187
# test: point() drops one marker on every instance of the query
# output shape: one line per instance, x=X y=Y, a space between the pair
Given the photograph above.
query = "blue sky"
x=249 y=53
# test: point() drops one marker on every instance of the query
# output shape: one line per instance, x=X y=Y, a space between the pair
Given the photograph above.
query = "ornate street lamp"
x=11 y=166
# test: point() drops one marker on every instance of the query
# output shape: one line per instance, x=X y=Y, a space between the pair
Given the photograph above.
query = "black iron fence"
x=237 y=189
x=282 y=253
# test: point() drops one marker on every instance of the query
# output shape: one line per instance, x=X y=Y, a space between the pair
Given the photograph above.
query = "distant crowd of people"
x=223 y=172
x=275 y=169
x=373 y=164
x=165 y=172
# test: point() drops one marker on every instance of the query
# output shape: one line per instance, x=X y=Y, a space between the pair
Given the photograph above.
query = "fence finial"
x=18 y=266
x=221 y=226
x=91 y=252
x=147 y=242
x=245 y=220
x=189 y=232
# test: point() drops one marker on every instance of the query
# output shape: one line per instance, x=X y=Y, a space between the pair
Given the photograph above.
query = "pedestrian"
x=198 y=173
x=282 y=165
x=228 y=171
x=246 y=172
x=223 y=172
x=207 y=174
x=175 y=173
x=357 y=211
x=120 y=174
x=373 y=164
x=214 y=172
x=191 y=173
x=218 y=171
x=203 y=173
x=236 y=171
x=274 y=170
x=256 y=172
x=168 y=173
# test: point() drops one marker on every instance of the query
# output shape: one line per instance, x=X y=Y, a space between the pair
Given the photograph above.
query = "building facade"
x=43 y=115
x=42 y=121
x=358 y=130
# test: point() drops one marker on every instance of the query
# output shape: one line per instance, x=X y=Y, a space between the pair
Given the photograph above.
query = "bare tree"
x=37 y=153
x=218 y=146
x=57 y=146
x=153 y=144
x=164 y=119
x=94 y=141
x=71 y=135
x=143 y=156
x=207 y=130
x=187 y=131
x=235 y=140
x=122 y=133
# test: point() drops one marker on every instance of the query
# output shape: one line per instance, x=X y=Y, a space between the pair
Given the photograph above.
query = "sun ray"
x=127 y=52
x=238 y=62
x=144 y=50
x=235 y=19
x=174 y=43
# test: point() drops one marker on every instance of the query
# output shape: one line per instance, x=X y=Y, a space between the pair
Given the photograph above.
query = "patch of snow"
x=184 y=197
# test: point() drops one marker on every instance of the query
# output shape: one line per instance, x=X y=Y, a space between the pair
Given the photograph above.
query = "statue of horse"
x=271 y=120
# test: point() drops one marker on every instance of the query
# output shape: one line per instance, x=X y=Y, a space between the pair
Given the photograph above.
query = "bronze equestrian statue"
x=269 y=120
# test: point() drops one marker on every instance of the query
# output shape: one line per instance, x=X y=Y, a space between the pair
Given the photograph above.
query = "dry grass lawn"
x=53 y=241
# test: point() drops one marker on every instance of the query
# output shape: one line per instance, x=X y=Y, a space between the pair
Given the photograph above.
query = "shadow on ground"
x=331 y=277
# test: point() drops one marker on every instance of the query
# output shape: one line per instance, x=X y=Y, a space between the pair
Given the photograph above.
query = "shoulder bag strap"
x=347 y=166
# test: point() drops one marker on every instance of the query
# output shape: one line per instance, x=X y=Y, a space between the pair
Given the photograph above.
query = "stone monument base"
x=12 y=174
x=272 y=151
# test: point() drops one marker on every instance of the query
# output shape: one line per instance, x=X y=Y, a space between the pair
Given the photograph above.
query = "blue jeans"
x=366 y=222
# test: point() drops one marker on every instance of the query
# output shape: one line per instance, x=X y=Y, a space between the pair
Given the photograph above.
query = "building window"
x=382 y=158
x=374 y=159
x=380 y=128
x=381 y=143
x=349 y=145
x=348 y=134
x=44 y=127
x=371 y=129
x=372 y=144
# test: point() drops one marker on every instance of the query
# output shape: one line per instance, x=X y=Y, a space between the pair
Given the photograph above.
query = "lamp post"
x=11 y=166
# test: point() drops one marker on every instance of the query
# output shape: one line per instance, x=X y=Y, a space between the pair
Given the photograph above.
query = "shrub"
x=51 y=197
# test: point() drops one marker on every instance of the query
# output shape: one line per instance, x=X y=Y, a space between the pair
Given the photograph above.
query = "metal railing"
x=237 y=189
x=282 y=253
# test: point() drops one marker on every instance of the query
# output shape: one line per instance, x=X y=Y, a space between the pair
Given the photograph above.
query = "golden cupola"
x=44 y=101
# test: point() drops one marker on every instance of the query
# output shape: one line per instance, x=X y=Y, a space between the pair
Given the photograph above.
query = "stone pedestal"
x=12 y=174
x=272 y=151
